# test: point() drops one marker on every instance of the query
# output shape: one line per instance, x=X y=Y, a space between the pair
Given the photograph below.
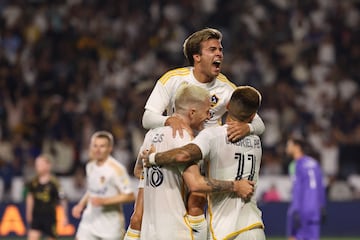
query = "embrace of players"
x=203 y=50
x=230 y=216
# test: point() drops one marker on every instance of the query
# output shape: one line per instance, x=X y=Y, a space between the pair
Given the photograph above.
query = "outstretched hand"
x=237 y=130
x=244 y=189
x=177 y=125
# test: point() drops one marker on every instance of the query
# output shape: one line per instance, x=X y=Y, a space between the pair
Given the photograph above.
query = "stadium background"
x=69 y=67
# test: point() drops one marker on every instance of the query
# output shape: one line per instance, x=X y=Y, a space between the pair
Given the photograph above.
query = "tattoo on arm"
x=219 y=185
x=188 y=153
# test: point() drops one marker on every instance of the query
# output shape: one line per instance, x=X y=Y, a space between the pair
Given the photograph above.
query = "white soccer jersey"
x=163 y=95
x=109 y=179
x=229 y=215
x=164 y=208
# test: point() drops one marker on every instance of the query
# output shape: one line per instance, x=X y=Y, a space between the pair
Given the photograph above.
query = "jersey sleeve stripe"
x=172 y=73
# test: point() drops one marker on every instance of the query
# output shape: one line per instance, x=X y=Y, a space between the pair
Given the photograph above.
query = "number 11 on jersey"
x=246 y=166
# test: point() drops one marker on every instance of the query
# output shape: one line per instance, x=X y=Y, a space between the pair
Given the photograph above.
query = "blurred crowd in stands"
x=70 y=67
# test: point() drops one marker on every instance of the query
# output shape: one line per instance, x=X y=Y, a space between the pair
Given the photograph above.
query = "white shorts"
x=83 y=234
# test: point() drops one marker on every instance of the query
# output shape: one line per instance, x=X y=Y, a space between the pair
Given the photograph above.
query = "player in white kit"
x=229 y=217
x=164 y=214
x=203 y=50
x=108 y=186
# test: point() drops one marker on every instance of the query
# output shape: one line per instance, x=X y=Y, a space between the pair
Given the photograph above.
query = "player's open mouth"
x=217 y=63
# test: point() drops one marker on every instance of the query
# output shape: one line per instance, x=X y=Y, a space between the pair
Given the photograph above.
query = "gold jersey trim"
x=172 y=73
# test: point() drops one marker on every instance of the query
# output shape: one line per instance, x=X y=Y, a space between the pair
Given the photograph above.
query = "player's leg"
x=195 y=207
x=83 y=234
x=133 y=231
x=49 y=228
x=34 y=234
x=36 y=228
x=253 y=234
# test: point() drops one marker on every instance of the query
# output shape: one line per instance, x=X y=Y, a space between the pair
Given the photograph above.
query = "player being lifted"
x=204 y=52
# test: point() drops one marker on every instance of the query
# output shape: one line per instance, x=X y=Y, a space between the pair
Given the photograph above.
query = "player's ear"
x=192 y=112
x=252 y=117
x=196 y=58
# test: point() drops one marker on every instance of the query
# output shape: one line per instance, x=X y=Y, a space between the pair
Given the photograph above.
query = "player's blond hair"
x=244 y=102
x=47 y=157
x=104 y=134
x=192 y=44
x=189 y=95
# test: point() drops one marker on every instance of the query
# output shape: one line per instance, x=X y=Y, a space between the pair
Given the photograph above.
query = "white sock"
x=132 y=234
x=199 y=226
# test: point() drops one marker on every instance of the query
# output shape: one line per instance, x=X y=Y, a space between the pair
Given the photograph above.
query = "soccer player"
x=44 y=194
x=308 y=194
x=229 y=217
x=164 y=214
x=204 y=52
x=108 y=187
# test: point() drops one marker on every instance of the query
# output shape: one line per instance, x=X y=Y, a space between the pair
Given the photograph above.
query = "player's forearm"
x=152 y=119
x=212 y=185
x=257 y=126
x=138 y=167
x=120 y=198
x=29 y=205
x=188 y=153
x=83 y=201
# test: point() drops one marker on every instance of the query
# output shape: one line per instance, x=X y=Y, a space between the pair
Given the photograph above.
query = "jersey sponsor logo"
x=155 y=176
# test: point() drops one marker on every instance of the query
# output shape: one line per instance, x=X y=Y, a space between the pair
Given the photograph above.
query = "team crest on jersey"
x=102 y=179
x=214 y=100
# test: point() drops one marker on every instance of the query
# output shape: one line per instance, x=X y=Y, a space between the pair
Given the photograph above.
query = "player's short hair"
x=192 y=44
x=190 y=95
x=104 y=134
x=244 y=102
x=47 y=157
x=299 y=141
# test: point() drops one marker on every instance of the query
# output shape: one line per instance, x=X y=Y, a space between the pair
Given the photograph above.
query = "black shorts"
x=45 y=224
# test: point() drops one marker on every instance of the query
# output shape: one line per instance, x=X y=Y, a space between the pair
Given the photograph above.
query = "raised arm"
x=257 y=125
x=155 y=106
x=153 y=119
